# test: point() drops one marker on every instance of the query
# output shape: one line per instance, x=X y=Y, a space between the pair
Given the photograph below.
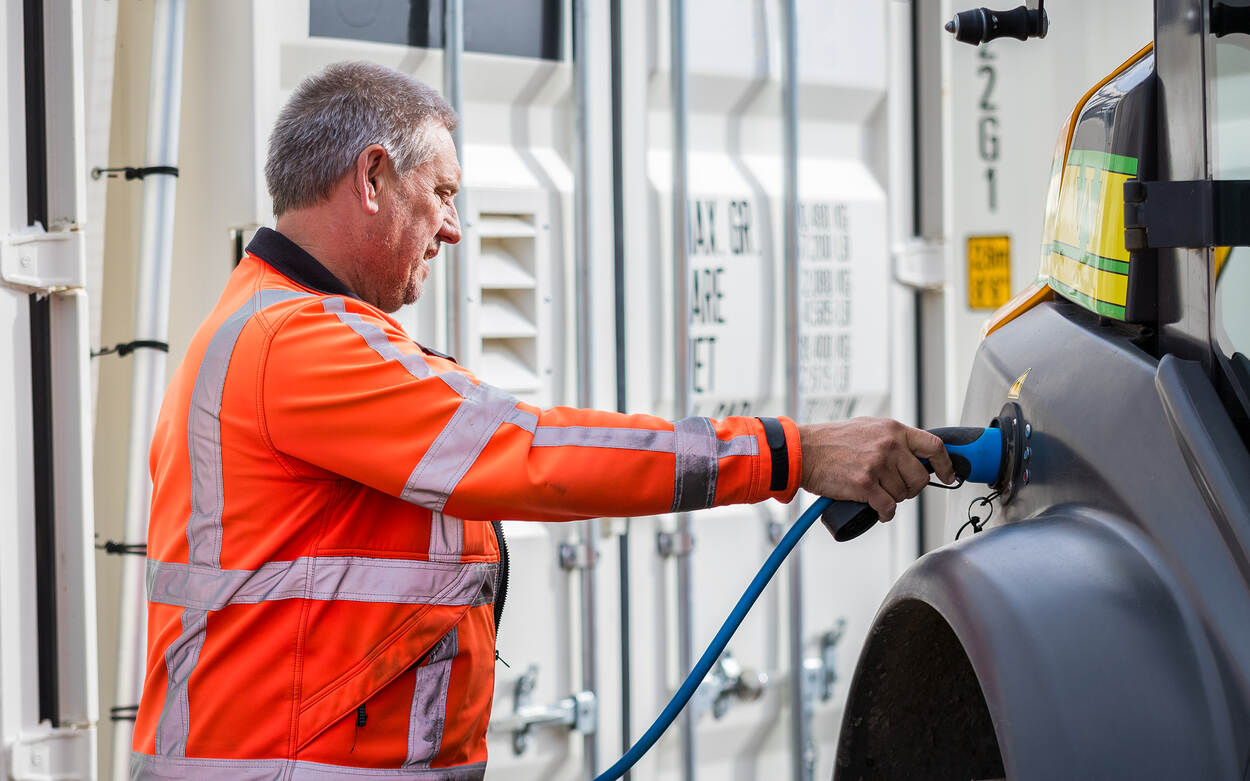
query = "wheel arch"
x=1061 y=643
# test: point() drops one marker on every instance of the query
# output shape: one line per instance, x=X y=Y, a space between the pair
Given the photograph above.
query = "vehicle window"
x=523 y=28
x=1230 y=112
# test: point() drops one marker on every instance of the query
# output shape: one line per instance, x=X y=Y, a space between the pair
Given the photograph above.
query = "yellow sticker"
x=1014 y=393
x=989 y=271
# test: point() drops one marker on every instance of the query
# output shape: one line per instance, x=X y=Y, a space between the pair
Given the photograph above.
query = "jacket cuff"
x=781 y=458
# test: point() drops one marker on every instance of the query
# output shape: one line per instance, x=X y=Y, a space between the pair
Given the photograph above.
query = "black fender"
x=1058 y=647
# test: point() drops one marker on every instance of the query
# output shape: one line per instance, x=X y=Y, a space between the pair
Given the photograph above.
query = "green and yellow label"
x=1088 y=261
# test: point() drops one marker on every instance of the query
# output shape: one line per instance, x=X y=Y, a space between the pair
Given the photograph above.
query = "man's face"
x=422 y=215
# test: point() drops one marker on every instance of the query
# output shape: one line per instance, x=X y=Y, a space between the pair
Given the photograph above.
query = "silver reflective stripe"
x=180 y=659
x=694 y=483
x=377 y=339
x=345 y=578
x=204 y=525
x=145 y=767
x=742 y=445
x=446 y=537
x=204 y=429
x=522 y=418
x=429 y=702
x=458 y=382
x=619 y=438
x=634 y=439
x=457 y=446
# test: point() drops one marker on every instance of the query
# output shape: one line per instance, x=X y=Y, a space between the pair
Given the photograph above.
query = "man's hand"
x=870 y=460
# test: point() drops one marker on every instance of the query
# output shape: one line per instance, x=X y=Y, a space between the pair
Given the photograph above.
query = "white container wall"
x=737 y=331
x=48 y=674
x=19 y=695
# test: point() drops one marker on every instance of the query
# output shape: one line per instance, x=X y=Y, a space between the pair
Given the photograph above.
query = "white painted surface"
x=30 y=749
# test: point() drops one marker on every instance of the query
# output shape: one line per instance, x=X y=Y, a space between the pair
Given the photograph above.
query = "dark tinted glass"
x=523 y=28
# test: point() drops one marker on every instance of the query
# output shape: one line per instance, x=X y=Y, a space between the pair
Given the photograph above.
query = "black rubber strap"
x=131 y=172
x=122 y=350
x=123 y=548
x=775 y=435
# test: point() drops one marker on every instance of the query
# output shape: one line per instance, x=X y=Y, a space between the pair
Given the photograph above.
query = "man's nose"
x=450 y=229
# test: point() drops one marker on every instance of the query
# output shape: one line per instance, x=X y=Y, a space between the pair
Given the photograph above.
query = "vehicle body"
x=1100 y=626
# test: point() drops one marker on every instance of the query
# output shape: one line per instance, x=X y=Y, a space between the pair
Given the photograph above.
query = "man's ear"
x=369 y=178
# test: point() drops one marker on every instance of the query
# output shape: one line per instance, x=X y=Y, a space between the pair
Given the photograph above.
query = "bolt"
x=27 y=261
x=1028 y=430
x=1025 y=477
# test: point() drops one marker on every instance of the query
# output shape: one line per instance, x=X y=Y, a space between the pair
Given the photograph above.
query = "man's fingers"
x=894 y=484
x=880 y=501
x=913 y=474
x=930 y=446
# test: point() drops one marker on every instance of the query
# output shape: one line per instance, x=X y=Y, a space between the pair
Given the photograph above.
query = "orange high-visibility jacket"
x=317 y=606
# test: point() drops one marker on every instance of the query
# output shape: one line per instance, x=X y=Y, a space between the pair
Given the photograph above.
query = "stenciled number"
x=988 y=72
x=987 y=129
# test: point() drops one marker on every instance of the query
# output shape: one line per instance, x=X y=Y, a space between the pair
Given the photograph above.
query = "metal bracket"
x=677 y=543
x=1196 y=214
x=575 y=556
x=579 y=712
x=776 y=530
x=821 y=671
x=42 y=261
x=920 y=263
x=43 y=753
x=728 y=680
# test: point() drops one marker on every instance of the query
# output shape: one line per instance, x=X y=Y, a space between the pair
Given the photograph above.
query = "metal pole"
x=585 y=395
x=682 y=367
x=151 y=322
x=458 y=282
x=801 y=748
x=618 y=279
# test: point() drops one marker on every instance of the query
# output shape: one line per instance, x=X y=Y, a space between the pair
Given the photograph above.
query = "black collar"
x=294 y=262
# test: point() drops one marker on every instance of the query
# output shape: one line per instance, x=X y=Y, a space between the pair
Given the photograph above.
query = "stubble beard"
x=415 y=285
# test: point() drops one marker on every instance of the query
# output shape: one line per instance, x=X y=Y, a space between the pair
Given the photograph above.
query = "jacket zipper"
x=501 y=584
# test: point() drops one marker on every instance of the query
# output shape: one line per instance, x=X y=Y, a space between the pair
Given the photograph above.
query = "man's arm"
x=344 y=392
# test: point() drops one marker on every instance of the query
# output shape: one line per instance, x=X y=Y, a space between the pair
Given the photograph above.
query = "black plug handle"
x=981 y=25
x=847 y=520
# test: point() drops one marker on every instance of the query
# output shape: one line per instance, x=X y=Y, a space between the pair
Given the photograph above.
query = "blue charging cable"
x=978 y=455
x=713 y=652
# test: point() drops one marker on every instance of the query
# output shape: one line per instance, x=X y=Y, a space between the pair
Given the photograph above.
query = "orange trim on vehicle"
x=1071 y=125
x=1026 y=299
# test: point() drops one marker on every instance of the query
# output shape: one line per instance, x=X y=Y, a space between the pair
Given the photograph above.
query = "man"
x=317 y=607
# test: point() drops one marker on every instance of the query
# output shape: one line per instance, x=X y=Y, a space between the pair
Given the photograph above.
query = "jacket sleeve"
x=345 y=392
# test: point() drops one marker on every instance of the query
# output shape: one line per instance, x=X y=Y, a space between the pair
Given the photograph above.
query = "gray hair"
x=338 y=112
